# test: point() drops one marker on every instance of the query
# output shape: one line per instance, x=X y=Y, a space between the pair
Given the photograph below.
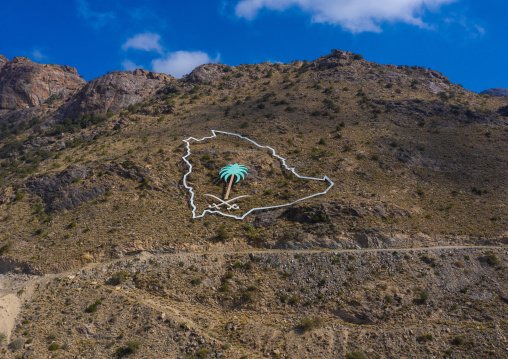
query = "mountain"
x=495 y=91
x=100 y=256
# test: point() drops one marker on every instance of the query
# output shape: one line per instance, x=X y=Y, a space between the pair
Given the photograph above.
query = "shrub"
x=358 y=57
x=222 y=233
x=16 y=344
x=203 y=352
x=491 y=259
x=458 y=340
x=2 y=337
x=54 y=346
x=356 y=355
x=119 y=277
x=196 y=281
x=308 y=324
x=248 y=296
x=5 y=248
x=131 y=348
x=293 y=300
x=322 y=141
x=19 y=196
x=424 y=296
x=92 y=308
x=425 y=337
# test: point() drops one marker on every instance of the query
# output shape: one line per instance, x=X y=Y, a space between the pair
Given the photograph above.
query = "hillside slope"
x=416 y=160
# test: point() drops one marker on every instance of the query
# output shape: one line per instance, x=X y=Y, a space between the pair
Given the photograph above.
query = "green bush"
x=424 y=296
x=222 y=233
x=5 y=248
x=308 y=324
x=131 y=348
x=92 y=308
x=491 y=259
x=54 y=346
x=458 y=340
x=119 y=277
x=16 y=344
x=196 y=281
x=425 y=337
x=203 y=352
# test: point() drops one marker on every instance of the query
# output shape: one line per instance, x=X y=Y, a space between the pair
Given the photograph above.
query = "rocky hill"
x=496 y=92
x=100 y=255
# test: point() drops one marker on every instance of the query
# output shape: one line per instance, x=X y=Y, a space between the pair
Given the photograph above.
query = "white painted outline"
x=214 y=132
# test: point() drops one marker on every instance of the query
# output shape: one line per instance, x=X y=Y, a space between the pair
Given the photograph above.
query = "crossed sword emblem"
x=222 y=202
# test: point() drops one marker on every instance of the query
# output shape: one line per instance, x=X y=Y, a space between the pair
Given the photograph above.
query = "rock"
x=229 y=326
x=84 y=330
x=3 y=61
x=207 y=73
x=113 y=92
x=27 y=354
x=24 y=83
x=380 y=209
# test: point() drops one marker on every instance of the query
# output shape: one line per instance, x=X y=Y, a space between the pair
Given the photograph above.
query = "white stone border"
x=214 y=132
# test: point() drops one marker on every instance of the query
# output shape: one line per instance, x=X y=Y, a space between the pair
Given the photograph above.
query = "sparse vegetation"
x=307 y=324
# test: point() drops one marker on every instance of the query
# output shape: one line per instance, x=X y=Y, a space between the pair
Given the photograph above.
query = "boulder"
x=207 y=73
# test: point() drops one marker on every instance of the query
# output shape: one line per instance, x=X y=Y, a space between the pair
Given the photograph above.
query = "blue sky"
x=464 y=39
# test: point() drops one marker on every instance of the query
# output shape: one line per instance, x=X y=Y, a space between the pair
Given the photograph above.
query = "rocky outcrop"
x=501 y=92
x=113 y=92
x=24 y=83
x=57 y=192
x=3 y=61
x=207 y=73
x=425 y=110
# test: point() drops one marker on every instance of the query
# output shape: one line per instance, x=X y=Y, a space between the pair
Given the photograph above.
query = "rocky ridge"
x=24 y=83
x=113 y=92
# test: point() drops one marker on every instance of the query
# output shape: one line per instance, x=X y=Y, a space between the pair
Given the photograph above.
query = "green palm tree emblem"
x=229 y=172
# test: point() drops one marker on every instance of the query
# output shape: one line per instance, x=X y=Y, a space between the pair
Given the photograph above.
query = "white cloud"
x=352 y=15
x=96 y=19
x=471 y=28
x=180 y=63
x=146 y=42
x=128 y=65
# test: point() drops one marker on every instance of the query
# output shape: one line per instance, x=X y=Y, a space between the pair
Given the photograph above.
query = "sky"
x=463 y=39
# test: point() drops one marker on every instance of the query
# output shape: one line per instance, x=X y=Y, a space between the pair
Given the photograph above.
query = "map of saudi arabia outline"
x=283 y=160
